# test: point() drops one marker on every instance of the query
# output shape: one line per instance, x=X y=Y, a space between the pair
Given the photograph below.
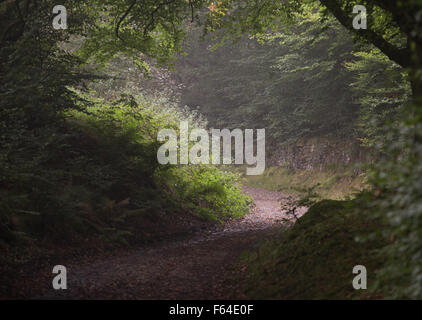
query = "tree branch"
x=398 y=55
x=123 y=18
x=151 y=22
x=192 y=10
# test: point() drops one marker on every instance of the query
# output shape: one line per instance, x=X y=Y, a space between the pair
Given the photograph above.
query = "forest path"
x=202 y=267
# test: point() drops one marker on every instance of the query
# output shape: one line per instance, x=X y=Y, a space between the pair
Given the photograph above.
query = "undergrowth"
x=315 y=257
x=97 y=174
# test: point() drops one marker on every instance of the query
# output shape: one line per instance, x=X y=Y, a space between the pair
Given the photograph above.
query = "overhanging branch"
x=123 y=18
x=398 y=55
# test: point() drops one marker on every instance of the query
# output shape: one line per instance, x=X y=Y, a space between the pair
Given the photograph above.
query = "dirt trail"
x=202 y=267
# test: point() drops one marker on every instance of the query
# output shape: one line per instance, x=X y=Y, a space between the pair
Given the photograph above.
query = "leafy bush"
x=208 y=191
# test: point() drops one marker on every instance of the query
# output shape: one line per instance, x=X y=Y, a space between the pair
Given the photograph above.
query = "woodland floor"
x=203 y=266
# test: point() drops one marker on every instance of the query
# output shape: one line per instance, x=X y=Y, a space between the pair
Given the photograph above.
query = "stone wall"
x=318 y=154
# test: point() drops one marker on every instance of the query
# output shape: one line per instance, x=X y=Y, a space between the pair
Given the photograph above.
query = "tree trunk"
x=416 y=91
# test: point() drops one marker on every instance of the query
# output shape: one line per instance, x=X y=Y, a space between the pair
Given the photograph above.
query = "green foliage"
x=382 y=89
x=397 y=199
x=134 y=27
x=208 y=191
x=101 y=168
x=228 y=19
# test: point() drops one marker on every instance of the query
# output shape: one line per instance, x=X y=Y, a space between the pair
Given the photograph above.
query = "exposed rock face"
x=319 y=154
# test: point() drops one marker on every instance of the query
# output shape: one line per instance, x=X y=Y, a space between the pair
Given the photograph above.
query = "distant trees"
x=394 y=27
x=302 y=81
